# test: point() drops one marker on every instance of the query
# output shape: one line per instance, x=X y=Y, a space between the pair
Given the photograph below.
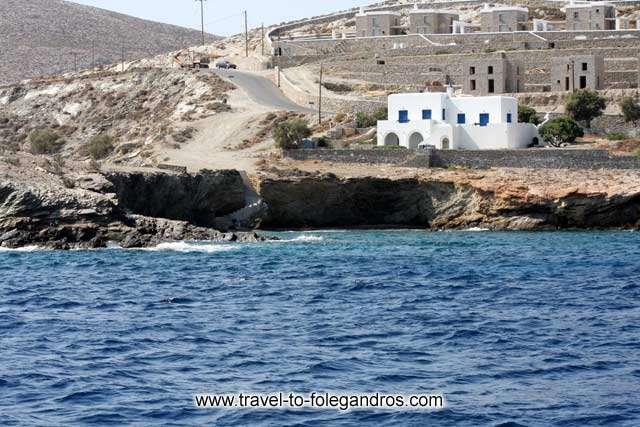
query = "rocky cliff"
x=199 y=199
x=325 y=200
x=84 y=211
x=136 y=209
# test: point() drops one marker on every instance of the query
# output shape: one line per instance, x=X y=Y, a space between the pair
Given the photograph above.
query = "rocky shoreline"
x=52 y=216
x=326 y=200
x=144 y=209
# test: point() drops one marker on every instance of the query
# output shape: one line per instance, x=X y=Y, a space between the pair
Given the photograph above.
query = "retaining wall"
x=475 y=159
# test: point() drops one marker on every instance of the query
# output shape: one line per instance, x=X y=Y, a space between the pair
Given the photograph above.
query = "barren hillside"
x=41 y=37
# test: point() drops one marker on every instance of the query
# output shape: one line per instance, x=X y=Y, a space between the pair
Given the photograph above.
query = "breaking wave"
x=191 y=247
x=23 y=249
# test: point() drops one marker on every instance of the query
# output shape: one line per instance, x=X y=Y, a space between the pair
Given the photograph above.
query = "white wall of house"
x=454 y=123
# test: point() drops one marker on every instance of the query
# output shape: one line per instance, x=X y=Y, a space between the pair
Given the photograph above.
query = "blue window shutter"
x=509 y=118
x=484 y=119
x=403 y=116
x=461 y=119
x=444 y=114
x=426 y=114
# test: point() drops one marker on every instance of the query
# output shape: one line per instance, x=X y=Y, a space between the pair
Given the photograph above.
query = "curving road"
x=261 y=90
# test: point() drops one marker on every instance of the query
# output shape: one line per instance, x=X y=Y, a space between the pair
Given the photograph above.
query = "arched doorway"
x=391 y=139
x=414 y=140
x=446 y=145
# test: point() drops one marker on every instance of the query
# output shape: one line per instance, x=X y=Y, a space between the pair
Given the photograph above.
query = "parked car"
x=226 y=65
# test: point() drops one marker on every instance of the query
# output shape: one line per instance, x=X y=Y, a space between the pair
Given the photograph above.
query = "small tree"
x=630 y=110
x=44 y=141
x=364 y=120
x=560 y=131
x=100 y=146
x=528 y=115
x=289 y=133
x=585 y=105
x=381 y=113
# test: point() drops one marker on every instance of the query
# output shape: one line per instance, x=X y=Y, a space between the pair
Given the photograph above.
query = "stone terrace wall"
x=397 y=157
x=540 y=158
x=475 y=159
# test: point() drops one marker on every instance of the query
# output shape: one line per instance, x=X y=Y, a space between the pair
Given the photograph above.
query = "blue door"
x=484 y=119
x=403 y=116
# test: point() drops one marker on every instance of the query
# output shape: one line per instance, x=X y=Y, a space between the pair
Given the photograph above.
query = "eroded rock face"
x=199 y=199
x=61 y=218
x=329 y=201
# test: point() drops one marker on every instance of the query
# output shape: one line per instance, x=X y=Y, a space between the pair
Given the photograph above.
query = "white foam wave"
x=477 y=229
x=307 y=239
x=300 y=239
x=191 y=247
x=23 y=249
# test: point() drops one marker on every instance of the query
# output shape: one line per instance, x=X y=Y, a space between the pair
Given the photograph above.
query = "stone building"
x=377 y=24
x=577 y=72
x=590 y=16
x=503 y=19
x=489 y=76
x=425 y=21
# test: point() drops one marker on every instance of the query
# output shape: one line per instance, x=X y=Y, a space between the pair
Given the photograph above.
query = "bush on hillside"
x=585 y=105
x=528 y=115
x=290 y=133
x=561 y=131
x=44 y=141
x=630 y=110
x=100 y=146
x=617 y=136
x=364 y=120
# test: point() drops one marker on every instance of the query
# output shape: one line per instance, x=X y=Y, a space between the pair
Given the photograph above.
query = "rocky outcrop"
x=202 y=199
x=329 y=201
x=61 y=218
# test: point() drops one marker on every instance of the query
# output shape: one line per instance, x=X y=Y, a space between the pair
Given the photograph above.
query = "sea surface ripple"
x=515 y=329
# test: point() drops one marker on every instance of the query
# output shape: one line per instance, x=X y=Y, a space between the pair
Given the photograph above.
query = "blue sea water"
x=514 y=329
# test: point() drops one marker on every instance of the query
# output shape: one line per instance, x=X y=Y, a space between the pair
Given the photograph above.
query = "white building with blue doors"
x=445 y=122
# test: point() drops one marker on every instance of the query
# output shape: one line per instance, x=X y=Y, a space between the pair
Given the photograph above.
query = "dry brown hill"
x=40 y=37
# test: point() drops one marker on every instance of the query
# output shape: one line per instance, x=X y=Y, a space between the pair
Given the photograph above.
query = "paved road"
x=261 y=90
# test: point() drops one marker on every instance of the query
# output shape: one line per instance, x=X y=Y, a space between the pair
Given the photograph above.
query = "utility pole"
x=278 y=55
x=246 y=34
x=320 y=96
x=75 y=61
x=262 y=39
x=202 y=18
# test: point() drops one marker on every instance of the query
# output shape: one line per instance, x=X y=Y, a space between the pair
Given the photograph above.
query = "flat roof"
x=589 y=5
x=505 y=9
x=447 y=11
x=382 y=12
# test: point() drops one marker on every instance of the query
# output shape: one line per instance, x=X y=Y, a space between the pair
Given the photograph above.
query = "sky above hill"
x=223 y=18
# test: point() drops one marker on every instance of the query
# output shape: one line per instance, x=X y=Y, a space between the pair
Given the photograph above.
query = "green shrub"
x=630 y=110
x=44 y=141
x=638 y=153
x=617 y=136
x=528 y=115
x=560 y=131
x=100 y=146
x=288 y=134
x=585 y=105
x=364 y=120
